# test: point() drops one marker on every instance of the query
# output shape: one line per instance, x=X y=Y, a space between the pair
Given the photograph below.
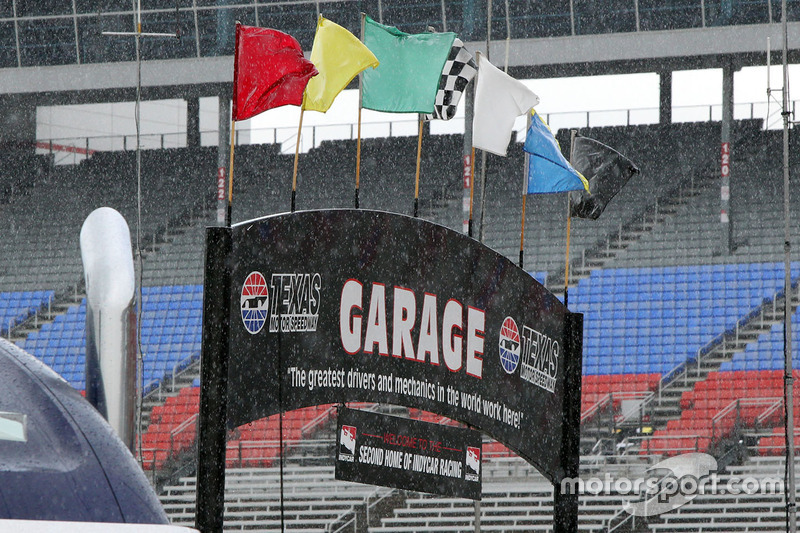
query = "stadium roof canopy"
x=57 y=49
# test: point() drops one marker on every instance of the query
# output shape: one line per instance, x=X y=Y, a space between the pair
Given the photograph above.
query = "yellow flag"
x=339 y=56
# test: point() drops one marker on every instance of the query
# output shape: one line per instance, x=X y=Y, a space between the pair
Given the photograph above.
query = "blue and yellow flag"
x=548 y=169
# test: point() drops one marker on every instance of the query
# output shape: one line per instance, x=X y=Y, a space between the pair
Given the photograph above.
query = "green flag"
x=407 y=79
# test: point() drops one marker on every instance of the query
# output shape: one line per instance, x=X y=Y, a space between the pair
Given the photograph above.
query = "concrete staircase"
x=665 y=404
x=605 y=251
x=167 y=389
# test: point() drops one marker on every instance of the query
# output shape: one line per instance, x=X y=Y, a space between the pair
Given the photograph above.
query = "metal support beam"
x=565 y=504
x=725 y=214
x=193 y=122
x=18 y=119
x=223 y=156
x=212 y=418
x=665 y=97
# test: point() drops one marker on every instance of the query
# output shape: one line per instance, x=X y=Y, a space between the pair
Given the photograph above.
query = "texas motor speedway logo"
x=290 y=304
x=254 y=302
x=534 y=352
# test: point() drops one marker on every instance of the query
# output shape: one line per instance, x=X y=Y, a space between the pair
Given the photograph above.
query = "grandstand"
x=667 y=310
x=682 y=336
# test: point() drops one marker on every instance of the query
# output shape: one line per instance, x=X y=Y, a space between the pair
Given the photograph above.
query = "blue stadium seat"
x=61 y=343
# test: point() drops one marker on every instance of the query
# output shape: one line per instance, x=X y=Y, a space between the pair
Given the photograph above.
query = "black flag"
x=607 y=171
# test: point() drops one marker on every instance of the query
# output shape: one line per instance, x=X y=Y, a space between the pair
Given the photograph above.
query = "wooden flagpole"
x=296 y=156
x=360 y=100
x=358 y=148
x=483 y=195
x=229 y=211
x=419 y=156
x=572 y=135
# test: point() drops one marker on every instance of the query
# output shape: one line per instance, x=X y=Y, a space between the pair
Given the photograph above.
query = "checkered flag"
x=458 y=70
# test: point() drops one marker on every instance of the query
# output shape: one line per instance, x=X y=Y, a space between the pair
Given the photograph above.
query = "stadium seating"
x=312 y=500
x=767 y=353
x=745 y=395
x=42 y=251
x=726 y=402
x=599 y=392
x=650 y=320
x=635 y=299
x=173 y=431
x=171 y=326
x=775 y=444
x=665 y=297
x=16 y=307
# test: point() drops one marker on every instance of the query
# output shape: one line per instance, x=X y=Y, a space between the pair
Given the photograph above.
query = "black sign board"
x=336 y=306
x=408 y=454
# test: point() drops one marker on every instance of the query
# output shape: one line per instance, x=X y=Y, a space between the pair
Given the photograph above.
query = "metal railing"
x=719 y=428
x=631 y=446
x=79 y=148
x=681 y=373
x=782 y=446
x=315 y=422
x=378 y=496
x=13 y=322
x=734 y=409
x=167 y=381
x=609 y=401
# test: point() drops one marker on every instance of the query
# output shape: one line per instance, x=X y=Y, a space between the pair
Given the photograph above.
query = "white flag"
x=499 y=100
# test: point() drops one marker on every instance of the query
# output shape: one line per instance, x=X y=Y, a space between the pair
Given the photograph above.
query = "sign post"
x=211 y=429
x=565 y=504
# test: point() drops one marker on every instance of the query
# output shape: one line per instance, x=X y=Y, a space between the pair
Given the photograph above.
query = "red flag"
x=269 y=70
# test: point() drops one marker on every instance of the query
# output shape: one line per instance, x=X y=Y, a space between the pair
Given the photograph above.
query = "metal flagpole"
x=483 y=152
x=788 y=380
x=471 y=189
x=522 y=227
x=524 y=199
x=566 y=263
x=280 y=423
x=469 y=156
x=476 y=523
x=137 y=35
x=139 y=260
x=572 y=135
x=508 y=38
